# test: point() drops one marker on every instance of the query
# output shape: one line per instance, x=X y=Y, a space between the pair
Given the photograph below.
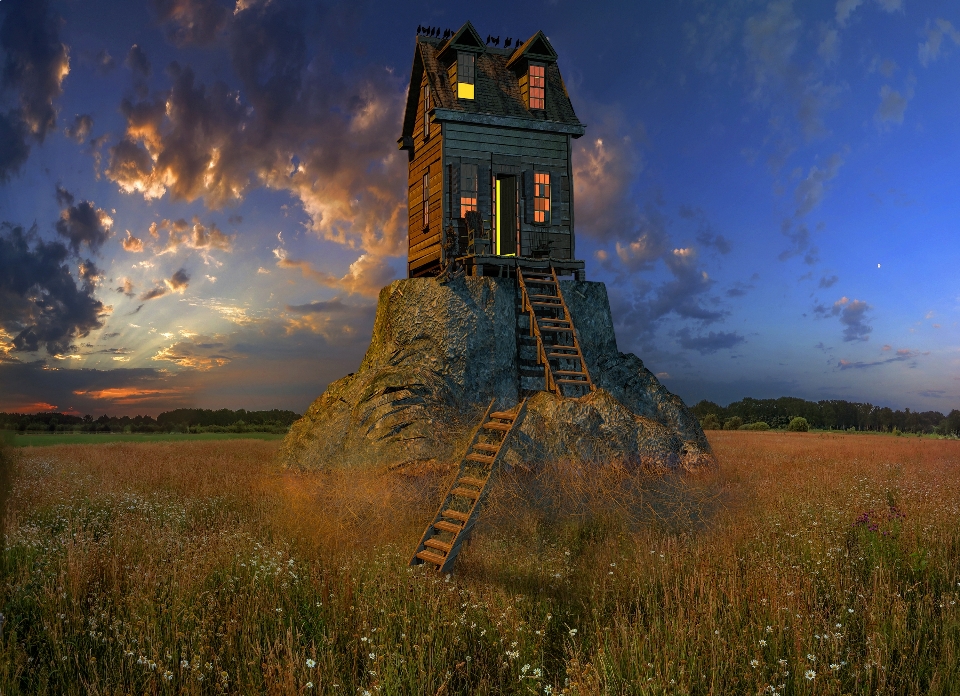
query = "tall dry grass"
x=204 y=568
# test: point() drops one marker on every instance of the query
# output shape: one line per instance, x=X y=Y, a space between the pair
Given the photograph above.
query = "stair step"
x=482 y=458
x=486 y=447
x=430 y=557
x=572 y=381
x=557 y=329
x=554 y=321
x=455 y=515
x=466 y=493
x=434 y=544
x=504 y=415
x=497 y=426
x=444 y=526
x=470 y=480
x=568 y=356
x=579 y=373
x=536 y=296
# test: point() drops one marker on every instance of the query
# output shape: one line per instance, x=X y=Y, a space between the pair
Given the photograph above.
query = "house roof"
x=497 y=87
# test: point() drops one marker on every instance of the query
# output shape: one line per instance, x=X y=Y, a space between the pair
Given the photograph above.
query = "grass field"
x=807 y=564
x=46 y=440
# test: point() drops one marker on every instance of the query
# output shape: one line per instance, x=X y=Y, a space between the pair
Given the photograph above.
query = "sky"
x=200 y=199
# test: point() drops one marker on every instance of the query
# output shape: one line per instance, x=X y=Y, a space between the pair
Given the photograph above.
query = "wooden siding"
x=513 y=152
x=424 y=245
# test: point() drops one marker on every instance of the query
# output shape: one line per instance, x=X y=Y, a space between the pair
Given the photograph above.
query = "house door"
x=506 y=215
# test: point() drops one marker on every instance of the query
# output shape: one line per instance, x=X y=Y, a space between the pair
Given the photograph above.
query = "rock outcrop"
x=441 y=351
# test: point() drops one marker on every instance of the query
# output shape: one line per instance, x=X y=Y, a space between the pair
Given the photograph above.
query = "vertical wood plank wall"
x=424 y=245
x=536 y=150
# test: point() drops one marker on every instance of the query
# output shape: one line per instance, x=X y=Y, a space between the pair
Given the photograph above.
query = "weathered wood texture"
x=424 y=242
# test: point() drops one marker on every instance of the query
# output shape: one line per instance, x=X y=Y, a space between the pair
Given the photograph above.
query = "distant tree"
x=759 y=425
x=710 y=422
x=798 y=424
x=733 y=423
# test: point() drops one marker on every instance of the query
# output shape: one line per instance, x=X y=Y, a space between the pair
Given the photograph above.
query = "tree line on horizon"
x=833 y=414
x=181 y=420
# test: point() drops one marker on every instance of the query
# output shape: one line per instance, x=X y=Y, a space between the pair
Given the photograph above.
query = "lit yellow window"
x=541 y=197
x=466 y=75
x=537 y=86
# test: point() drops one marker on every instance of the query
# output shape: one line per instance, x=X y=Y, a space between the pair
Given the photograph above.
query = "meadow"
x=805 y=564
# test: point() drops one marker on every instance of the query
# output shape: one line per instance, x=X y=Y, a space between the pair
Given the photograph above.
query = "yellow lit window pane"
x=466 y=205
x=464 y=91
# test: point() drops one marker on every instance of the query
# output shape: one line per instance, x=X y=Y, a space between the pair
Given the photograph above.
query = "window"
x=541 y=197
x=466 y=75
x=468 y=188
x=426 y=200
x=537 y=86
x=426 y=111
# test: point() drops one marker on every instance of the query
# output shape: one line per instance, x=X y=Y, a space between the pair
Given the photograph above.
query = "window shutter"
x=484 y=194
x=528 y=196
x=556 y=198
x=454 y=190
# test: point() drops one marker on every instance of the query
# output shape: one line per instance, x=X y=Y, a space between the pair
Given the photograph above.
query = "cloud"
x=192 y=21
x=845 y=8
x=829 y=47
x=35 y=64
x=799 y=237
x=295 y=125
x=41 y=304
x=893 y=104
x=809 y=192
x=852 y=316
x=604 y=169
x=132 y=244
x=901 y=356
x=126 y=287
x=929 y=51
x=828 y=281
x=739 y=289
x=198 y=237
x=365 y=276
x=710 y=343
x=80 y=128
x=197 y=352
x=178 y=282
x=138 y=62
x=82 y=223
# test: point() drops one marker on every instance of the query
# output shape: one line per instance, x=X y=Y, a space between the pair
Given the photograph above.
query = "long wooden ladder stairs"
x=451 y=526
x=564 y=368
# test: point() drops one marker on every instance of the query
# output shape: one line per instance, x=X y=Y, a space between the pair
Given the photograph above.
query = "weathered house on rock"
x=488 y=133
x=484 y=319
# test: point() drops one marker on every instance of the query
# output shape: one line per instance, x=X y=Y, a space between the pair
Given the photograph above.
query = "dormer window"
x=537 y=86
x=462 y=74
x=426 y=111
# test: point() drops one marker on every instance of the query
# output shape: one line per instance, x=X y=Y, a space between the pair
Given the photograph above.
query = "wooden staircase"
x=564 y=369
x=451 y=526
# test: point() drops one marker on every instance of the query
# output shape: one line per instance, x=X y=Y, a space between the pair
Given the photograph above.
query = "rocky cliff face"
x=441 y=351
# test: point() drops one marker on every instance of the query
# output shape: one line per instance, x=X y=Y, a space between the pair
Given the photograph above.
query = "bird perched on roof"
x=488 y=39
x=446 y=33
x=496 y=41
x=506 y=44
x=419 y=29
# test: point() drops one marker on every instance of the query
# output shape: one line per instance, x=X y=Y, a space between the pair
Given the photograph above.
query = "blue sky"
x=200 y=199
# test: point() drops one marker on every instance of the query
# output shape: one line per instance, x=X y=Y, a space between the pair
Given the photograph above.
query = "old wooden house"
x=487 y=131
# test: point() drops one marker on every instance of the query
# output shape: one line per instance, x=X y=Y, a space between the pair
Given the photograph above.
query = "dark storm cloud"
x=137 y=61
x=296 y=124
x=80 y=128
x=35 y=63
x=192 y=21
x=178 y=281
x=158 y=291
x=710 y=343
x=122 y=390
x=83 y=223
x=41 y=304
x=828 y=281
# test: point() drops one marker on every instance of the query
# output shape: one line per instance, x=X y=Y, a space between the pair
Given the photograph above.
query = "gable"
x=536 y=48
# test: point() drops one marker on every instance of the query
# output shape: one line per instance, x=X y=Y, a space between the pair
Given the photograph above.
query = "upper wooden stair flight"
x=564 y=370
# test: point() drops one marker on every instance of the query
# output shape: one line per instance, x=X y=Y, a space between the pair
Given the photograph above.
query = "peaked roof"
x=537 y=47
x=497 y=87
x=467 y=38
